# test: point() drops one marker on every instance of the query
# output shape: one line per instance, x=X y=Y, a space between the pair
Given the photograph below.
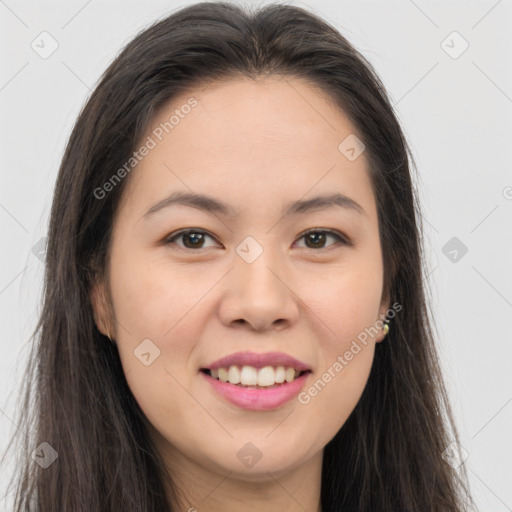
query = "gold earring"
x=385 y=327
x=108 y=336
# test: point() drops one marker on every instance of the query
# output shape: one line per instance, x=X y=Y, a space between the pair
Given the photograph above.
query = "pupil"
x=196 y=237
x=317 y=238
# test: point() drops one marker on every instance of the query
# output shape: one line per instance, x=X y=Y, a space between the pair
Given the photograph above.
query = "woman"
x=234 y=311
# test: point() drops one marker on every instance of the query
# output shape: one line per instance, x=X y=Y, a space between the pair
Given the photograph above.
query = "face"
x=253 y=275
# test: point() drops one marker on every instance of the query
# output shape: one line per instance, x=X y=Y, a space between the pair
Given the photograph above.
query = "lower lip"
x=258 y=399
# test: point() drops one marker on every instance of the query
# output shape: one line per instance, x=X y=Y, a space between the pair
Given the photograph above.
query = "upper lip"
x=259 y=360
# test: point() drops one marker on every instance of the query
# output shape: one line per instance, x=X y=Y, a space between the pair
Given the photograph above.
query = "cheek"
x=158 y=303
x=335 y=390
x=346 y=309
x=346 y=313
x=347 y=304
x=161 y=303
x=154 y=298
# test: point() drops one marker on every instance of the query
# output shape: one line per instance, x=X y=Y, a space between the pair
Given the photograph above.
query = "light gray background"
x=456 y=112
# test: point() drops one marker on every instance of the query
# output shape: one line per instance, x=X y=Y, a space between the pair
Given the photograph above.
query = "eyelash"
x=173 y=236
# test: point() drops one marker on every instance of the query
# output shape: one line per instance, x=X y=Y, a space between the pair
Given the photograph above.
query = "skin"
x=255 y=146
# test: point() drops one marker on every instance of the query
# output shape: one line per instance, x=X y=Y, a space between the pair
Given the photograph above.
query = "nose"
x=257 y=295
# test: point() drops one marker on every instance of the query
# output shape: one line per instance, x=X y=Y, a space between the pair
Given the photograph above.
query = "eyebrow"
x=212 y=205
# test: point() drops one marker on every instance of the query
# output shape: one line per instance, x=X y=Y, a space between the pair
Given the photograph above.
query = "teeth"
x=234 y=375
x=280 y=374
x=266 y=376
x=223 y=374
x=250 y=376
x=289 y=374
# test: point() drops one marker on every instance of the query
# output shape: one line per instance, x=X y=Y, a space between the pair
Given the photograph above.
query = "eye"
x=317 y=238
x=194 y=238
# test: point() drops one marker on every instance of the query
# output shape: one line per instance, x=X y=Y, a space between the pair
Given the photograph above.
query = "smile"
x=249 y=376
x=271 y=395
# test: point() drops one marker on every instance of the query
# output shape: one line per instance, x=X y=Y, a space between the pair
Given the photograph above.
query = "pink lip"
x=258 y=399
x=259 y=360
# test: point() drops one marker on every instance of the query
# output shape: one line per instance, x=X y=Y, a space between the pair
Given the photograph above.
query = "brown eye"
x=196 y=238
x=192 y=239
x=317 y=239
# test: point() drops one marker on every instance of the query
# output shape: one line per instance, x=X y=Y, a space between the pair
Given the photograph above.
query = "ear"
x=383 y=309
x=101 y=309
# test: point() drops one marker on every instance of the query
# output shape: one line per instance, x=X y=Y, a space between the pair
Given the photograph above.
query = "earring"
x=385 y=327
x=108 y=336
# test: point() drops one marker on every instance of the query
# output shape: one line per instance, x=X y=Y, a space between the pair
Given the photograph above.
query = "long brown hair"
x=389 y=456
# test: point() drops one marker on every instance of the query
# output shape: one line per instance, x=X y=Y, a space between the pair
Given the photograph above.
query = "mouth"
x=256 y=389
x=266 y=377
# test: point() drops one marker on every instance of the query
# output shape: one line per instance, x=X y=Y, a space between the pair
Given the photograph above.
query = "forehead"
x=276 y=111
x=247 y=139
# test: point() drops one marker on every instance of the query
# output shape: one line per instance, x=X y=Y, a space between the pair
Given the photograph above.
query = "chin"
x=253 y=463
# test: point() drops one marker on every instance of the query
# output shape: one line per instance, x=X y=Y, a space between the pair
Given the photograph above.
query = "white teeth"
x=266 y=376
x=289 y=374
x=280 y=375
x=234 y=374
x=223 y=374
x=250 y=376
